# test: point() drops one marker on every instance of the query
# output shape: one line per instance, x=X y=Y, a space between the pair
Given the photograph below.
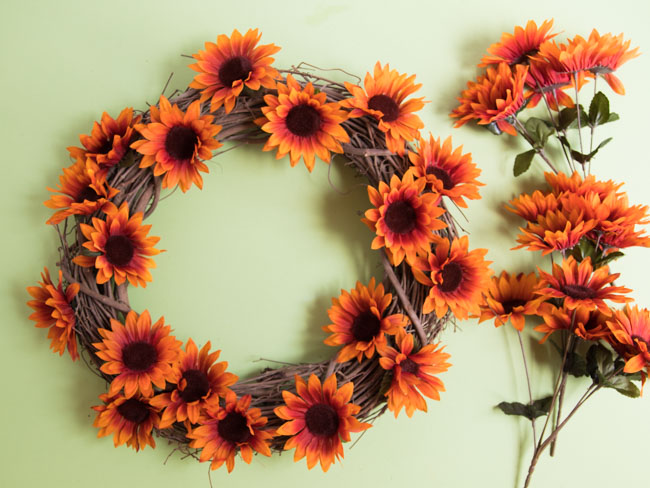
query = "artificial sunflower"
x=123 y=246
x=517 y=48
x=177 y=142
x=413 y=374
x=384 y=97
x=631 y=330
x=52 y=308
x=530 y=207
x=359 y=323
x=590 y=325
x=233 y=62
x=318 y=418
x=544 y=81
x=138 y=353
x=232 y=428
x=302 y=124
x=404 y=218
x=130 y=420
x=200 y=382
x=575 y=184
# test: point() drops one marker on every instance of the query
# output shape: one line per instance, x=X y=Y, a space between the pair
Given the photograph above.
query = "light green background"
x=252 y=260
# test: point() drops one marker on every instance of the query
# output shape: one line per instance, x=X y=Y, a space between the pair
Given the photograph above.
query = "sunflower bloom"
x=200 y=381
x=530 y=207
x=138 y=354
x=404 y=218
x=631 y=329
x=384 y=97
x=318 y=418
x=130 y=420
x=302 y=124
x=517 y=48
x=233 y=62
x=52 y=309
x=123 y=246
x=545 y=81
x=413 y=374
x=225 y=431
x=560 y=183
x=590 y=325
x=359 y=323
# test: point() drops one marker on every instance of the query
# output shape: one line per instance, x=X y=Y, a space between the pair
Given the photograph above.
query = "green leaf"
x=598 y=110
x=624 y=386
x=612 y=117
x=600 y=363
x=537 y=409
x=585 y=158
x=612 y=256
x=523 y=161
x=575 y=365
x=539 y=130
x=566 y=117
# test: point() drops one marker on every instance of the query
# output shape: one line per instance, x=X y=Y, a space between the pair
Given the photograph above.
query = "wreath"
x=387 y=357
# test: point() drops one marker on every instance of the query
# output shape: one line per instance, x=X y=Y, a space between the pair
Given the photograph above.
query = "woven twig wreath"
x=387 y=359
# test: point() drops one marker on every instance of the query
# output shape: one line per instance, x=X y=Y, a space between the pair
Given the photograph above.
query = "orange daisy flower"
x=302 y=124
x=52 y=309
x=177 y=142
x=493 y=98
x=517 y=48
x=530 y=207
x=359 y=323
x=318 y=418
x=581 y=286
x=235 y=427
x=130 y=420
x=233 y=62
x=561 y=183
x=384 y=98
x=511 y=297
x=413 y=374
x=451 y=174
x=200 y=382
x=631 y=329
x=544 y=80
x=79 y=193
x=590 y=325
x=404 y=218
x=138 y=353
x=123 y=244
x=457 y=277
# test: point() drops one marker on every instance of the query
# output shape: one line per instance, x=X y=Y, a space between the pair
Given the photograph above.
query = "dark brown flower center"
x=386 y=105
x=409 y=366
x=452 y=275
x=400 y=217
x=509 y=305
x=579 y=292
x=119 y=250
x=139 y=356
x=322 y=420
x=106 y=146
x=524 y=58
x=87 y=193
x=365 y=326
x=303 y=120
x=592 y=322
x=197 y=385
x=134 y=411
x=181 y=142
x=442 y=175
x=234 y=428
x=237 y=68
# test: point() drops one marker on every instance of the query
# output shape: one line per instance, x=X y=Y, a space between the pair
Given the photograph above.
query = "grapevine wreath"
x=384 y=331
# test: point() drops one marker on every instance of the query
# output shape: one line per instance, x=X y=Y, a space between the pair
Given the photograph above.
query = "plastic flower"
x=590 y=325
x=560 y=184
x=233 y=62
x=384 y=97
x=359 y=323
x=302 y=124
x=413 y=374
x=177 y=142
x=451 y=174
x=52 y=309
x=233 y=428
x=517 y=48
x=544 y=80
x=457 y=277
x=200 y=381
x=138 y=354
x=123 y=246
x=404 y=218
x=631 y=329
x=130 y=420
x=530 y=207
x=318 y=418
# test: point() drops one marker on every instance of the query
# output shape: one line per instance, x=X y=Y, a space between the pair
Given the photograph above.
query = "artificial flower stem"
x=593 y=128
x=575 y=81
x=558 y=132
x=522 y=130
x=570 y=345
x=530 y=391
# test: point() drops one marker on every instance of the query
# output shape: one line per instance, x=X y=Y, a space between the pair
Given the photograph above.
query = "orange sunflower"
x=234 y=427
x=561 y=183
x=530 y=207
x=517 y=48
x=544 y=80
x=79 y=194
x=581 y=286
x=590 y=325
x=494 y=98
x=384 y=98
x=404 y=218
x=511 y=297
x=200 y=381
x=123 y=246
x=130 y=420
x=413 y=374
x=631 y=329
x=138 y=354
x=359 y=323
x=302 y=124
x=177 y=142
x=318 y=418
x=457 y=277
x=233 y=62
x=52 y=309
